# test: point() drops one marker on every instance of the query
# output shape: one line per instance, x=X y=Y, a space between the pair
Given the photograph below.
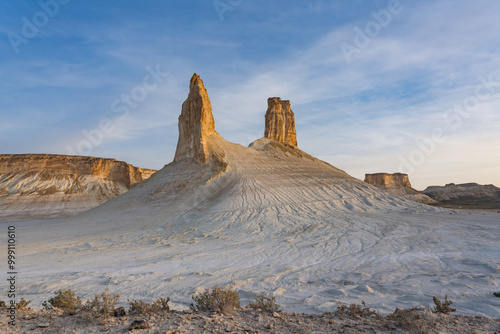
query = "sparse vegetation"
x=95 y=316
x=443 y=307
x=157 y=306
x=356 y=310
x=216 y=300
x=265 y=304
x=65 y=300
x=103 y=304
x=23 y=304
x=414 y=320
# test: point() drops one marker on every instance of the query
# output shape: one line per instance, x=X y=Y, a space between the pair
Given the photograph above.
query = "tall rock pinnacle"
x=280 y=121
x=196 y=123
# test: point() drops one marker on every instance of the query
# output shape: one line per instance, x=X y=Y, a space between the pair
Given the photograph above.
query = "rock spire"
x=196 y=124
x=280 y=121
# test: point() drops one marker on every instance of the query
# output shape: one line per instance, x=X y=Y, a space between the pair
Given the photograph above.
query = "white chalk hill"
x=263 y=219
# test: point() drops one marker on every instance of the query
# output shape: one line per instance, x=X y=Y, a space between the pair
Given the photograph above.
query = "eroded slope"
x=46 y=185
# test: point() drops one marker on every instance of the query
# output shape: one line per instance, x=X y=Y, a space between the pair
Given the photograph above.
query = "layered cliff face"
x=280 y=122
x=467 y=194
x=59 y=185
x=196 y=124
x=397 y=184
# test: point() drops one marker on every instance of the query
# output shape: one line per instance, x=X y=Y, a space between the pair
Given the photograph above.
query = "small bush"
x=414 y=320
x=23 y=304
x=443 y=307
x=103 y=304
x=265 y=304
x=157 y=306
x=356 y=310
x=496 y=294
x=139 y=306
x=65 y=300
x=216 y=300
x=160 y=305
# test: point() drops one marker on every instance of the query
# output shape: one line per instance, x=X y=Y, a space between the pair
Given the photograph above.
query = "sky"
x=376 y=86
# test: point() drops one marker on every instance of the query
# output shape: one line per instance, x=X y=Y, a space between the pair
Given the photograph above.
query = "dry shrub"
x=103 y=304
x=65 y=300
x=414 y=320
x=157 y=306
x=265 y=304
x=23 y=304
x=160 y=305
x=216 y=300
x=356 y=310
x=443 y=307
x=139 y=306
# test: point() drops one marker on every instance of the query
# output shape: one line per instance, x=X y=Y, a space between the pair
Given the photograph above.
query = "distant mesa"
x=280 y=122
x=466 y=195
x=388 y=181
x=397 y=184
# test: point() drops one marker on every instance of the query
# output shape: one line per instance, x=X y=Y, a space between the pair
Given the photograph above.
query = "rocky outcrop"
x=397 y=184
x=61 y=185
x=465 y=195
x=196 y=124
x=280 y=122
x=386 y=180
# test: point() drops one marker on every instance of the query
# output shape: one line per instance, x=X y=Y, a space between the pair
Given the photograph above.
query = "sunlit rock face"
x=280 y=122
x=387 y=180
x=196 y=124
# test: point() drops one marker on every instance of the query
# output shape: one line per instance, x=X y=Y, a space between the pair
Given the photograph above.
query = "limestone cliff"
x=397 y=184
x=386 y=180
x=196 y=124
x=280 y=122
x=60 y=185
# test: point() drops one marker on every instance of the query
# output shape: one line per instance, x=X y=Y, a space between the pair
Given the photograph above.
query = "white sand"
x=273 y=223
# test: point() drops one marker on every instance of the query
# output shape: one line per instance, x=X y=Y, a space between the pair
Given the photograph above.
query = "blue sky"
x=410 y=86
